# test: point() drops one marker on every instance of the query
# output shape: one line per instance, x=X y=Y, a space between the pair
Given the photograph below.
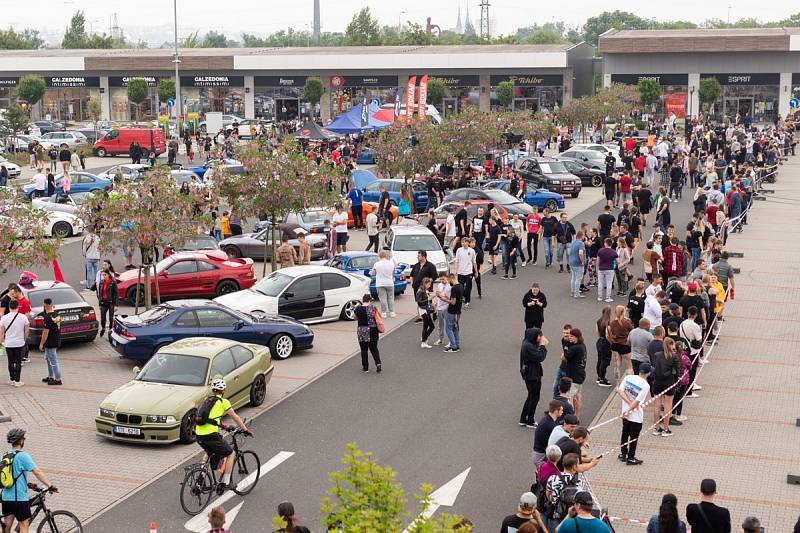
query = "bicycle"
x=201 y=481
x=52 y=521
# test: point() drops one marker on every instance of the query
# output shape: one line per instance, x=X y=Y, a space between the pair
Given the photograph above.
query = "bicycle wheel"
x=244 y=477
x=196 y=490
x=60 y=522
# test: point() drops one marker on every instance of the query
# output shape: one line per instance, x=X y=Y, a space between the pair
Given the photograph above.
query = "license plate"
x=567 y=188
x=70 y=318
x=127 y=431
x=79 y=327
x=113 y=342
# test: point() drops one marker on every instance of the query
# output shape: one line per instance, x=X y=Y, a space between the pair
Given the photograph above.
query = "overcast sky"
x=265 y=16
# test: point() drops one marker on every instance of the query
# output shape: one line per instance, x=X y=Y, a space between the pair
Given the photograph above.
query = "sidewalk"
x=741 y=431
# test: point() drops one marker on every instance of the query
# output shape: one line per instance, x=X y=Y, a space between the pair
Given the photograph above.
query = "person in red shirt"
x=711 y=213
x=625 y=184
x=630 y=144
x=533 y=223
x=639 y=164
x=673 y=259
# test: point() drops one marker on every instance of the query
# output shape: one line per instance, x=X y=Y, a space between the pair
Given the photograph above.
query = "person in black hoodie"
x=107 y=297
x=531 y=356
x=534 y=303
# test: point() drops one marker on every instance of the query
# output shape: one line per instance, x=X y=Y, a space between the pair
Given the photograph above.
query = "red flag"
x=423 y=97
x=57 y=275
x=410 y=87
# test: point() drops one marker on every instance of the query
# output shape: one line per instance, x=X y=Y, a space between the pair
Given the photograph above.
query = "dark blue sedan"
x=140 y=336
x=80 y=182
x=534 y=197
x=362 y=263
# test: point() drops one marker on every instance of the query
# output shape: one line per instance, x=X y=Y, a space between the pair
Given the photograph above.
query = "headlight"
x=441 y=266
x=160 y=419
x=552 y=182
x=106 y=413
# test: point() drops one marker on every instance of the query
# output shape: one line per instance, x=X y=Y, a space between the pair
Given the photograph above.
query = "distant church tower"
x=458 y=27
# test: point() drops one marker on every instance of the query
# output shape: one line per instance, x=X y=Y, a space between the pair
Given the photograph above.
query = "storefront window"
x=758 y=101
x=68 y=103
x=534 y=92
x=8 y=97
x=228 y=100
x=122 y=109
x=280 y=103
x=456 y=99
x=342 y=100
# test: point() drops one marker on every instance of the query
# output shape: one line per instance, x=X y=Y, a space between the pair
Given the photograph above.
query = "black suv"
x=548 y=173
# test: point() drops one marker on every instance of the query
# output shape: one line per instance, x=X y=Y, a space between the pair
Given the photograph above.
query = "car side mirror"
x=239 y=325
x=288 y=295
x=136 y=370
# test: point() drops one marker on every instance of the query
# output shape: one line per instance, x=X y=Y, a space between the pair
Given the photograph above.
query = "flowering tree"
x=276 y=183
x=470 y=133
x=531 y=126
x=148 y=214
x=24 y=239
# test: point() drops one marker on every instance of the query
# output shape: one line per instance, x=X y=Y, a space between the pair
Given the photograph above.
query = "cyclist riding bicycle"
x=15 y=496
x=209 y=437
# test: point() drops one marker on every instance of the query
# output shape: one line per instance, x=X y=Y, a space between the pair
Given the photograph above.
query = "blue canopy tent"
x=350 y=122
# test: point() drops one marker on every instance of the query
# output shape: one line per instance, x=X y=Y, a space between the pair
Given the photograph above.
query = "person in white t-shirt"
x=340 y=226
x=14 y=329
x=633 y=390
x=39 y=181
x=383 y=269
x=466 y=268
x=442 y=291
x=372 y=230
x=449 y=232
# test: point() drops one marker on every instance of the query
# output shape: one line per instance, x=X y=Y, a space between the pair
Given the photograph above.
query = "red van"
x=118 y=142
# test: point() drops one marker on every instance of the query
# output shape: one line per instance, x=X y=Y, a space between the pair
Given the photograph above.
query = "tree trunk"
x=273 y=259
x=148 y=297
x=158 y=289
x=138 y=288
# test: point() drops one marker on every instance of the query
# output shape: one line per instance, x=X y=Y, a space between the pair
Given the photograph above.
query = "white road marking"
x=199 y=523
x=445 y=495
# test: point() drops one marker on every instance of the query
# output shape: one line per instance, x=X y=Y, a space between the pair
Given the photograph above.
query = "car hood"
x=249 y=300
x=140 y=397
x=239 y=238
x=561 y=176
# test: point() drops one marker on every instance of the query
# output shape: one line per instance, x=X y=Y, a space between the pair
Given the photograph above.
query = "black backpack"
x=204 y=411
x=566 y=497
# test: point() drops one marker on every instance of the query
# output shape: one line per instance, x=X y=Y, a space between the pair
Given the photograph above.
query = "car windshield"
x=155 y=314
x=164 y=263
x=413 y=243
x=500 y=197
x=60 y=296
x=273 y=284
x=201 y=243
x=175 y=369
x=553 y=168
x=318 y=216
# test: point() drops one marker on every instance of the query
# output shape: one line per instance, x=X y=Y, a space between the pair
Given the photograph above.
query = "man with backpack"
x=209 y=422
x=561 y=489
x=14 y=469
x=580 y=518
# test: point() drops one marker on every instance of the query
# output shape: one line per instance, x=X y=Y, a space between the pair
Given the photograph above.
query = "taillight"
x=38 y=322
x=89 y=316
x=316 y=230
x=127 y=334
x=250 y=274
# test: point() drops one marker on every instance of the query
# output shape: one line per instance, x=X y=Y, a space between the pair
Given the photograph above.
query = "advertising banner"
x=410 y=88
x=423 y=97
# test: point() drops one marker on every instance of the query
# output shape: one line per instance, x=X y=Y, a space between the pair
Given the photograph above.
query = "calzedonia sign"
x=122 y=81
x=72 y=81
x=280 y=81
x=662 y=79
x=745 y=79
x=212 y=81
x=528 y=80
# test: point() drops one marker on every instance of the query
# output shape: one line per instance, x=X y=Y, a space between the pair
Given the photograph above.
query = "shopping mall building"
x=758 y=69
x=268 y=83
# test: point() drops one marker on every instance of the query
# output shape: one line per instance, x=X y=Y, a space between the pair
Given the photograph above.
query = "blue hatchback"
x=140 y=336
x=81 y=182
x=534 y=197
x=372 y=192
x=362 y=263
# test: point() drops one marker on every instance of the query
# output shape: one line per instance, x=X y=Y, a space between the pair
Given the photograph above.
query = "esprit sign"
x=745 y=78
x=661 y=79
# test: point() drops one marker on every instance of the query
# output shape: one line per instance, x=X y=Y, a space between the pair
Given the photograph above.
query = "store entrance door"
x=450 y=106
x=741 y=105
x=526 y=104
x=287 y=108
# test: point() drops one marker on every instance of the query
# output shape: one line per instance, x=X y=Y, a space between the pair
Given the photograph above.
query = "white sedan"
x=13 y=170
x=129 y=171
x=307 y=293
x=61 y=203
x=61 y=224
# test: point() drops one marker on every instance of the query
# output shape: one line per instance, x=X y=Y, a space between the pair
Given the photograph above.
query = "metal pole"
x=177 y=61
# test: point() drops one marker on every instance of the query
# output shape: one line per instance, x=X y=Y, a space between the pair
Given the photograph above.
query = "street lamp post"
x=176 y=59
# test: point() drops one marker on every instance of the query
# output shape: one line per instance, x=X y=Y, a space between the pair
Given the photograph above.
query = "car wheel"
x=62 y=229
x=552 y=205
x=281 y=346
x=187 y=428
x=226 y=287
x=233 y=252
x=135 y=295
x=349 y=310
x=258 y=391
x=101 y=152
x=596 y=181
x=574 y=195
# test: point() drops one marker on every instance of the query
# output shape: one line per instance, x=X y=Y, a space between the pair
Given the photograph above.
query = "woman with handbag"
x=369 y=327
x=424 y=296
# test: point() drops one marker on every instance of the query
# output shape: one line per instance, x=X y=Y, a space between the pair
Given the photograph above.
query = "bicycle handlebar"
x=36 y=488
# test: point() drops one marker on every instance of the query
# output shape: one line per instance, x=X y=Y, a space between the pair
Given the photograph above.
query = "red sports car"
x=190 y=274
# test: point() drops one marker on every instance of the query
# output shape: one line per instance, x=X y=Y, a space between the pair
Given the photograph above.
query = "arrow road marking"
x=443 y=496
x=230 y=516
x=199 y=522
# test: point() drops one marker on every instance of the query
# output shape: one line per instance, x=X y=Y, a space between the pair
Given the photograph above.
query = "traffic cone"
x=153 y=528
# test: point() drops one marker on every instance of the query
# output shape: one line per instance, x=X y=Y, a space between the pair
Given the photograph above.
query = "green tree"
x=414 y=34
x=214 y=40
x=138 y=90
x=30 y=89
x=313 y=90
x=708 y=91
x=436 y=91
x=505 y=92
x=363 y=30
x=620 y=20
x=14 y=120
x=25 y=40
x=366 y=496
x=544 y=36
x=76 y=37
x=649 y=91
x=24 y=239
x=165 y=89
x=94 y=111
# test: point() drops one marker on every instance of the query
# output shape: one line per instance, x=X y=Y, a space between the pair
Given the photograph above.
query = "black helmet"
x=15 y=435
